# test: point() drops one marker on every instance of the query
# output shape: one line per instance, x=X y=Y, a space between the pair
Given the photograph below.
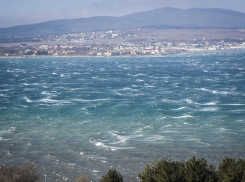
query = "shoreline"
x=95 y=56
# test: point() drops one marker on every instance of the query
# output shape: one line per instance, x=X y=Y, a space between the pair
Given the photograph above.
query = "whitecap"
x=153 y=138
x=232 y=104
x=179 y=108
x=140 y=80
x=47 y=100
x=94 y=100
x=139 y=74
x=146 y=85
x=189 y=101
x=11 y=130
x=167 y=126
x=71 y=164
x=185 y=116
x=208 y=90
x=95 y=171
x=28 y=100
x=210 y=103
x=205 y=143
x=209 y=109
x=122 y=139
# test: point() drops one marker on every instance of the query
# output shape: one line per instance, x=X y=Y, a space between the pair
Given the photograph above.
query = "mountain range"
x=170 y=18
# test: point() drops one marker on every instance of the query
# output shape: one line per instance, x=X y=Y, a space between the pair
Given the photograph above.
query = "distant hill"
x=170 y=18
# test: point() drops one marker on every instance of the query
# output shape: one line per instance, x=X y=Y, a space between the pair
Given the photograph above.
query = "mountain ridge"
x=160 y=17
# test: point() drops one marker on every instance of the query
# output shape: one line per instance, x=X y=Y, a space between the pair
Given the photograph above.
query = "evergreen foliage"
x=232 y=171
x=112 y=176
x=199 y=170
x=166 y=170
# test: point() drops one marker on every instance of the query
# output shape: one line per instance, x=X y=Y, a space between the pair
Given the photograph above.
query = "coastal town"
x=115 y=43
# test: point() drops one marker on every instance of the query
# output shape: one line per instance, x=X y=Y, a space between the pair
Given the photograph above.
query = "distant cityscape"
x=112 y=43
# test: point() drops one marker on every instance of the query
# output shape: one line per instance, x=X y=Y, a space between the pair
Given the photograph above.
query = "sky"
x=17 y=12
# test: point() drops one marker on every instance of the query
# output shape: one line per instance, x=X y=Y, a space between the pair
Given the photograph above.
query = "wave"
x=139 y=74
x=109 y=147
x=208 y=109
x=127 y=88
x=179 y=108
x=122 y=139
x=48 y=100
x=4 y=95
x=11 y=130
x=185 y=116
x=146 y=85
x=154 y=138
x=139 y=80
x=204 y=143
x=232 y=104
x=94 y=100
x=218 y=92
x=209 y=104
x=180 y=101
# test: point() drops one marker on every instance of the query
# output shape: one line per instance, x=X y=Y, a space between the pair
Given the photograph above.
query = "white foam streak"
x=185 y=116
x=209 y=109
x=122 y=139
x=179 y=108
x=210 y=104
x=232 y=104
x=48 y=100
x=11 y=130
x=28 y=100
x=94 y=100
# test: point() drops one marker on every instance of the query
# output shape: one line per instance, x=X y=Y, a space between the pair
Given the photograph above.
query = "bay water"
x=75 y=115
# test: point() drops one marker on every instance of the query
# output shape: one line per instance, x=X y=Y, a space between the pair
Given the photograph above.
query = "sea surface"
x=73 y=116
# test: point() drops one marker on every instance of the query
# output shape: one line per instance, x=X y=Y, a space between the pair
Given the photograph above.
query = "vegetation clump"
x=231 y=170
x=193 y=170
x=165 y=170
x=27 y=173
x=112 y=176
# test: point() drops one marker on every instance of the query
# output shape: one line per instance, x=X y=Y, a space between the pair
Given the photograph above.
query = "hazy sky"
x=17 y=12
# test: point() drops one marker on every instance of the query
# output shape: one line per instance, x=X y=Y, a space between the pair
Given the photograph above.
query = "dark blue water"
x=74 y=116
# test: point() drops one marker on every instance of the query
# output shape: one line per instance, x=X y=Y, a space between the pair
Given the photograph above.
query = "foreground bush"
x=199 y=170
x=230 y=170
x=28 y=173
x=194 y=170
x=164 y=170
x=112 y=176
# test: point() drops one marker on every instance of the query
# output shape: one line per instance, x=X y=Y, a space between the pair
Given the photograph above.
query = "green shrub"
x=164 y=170
x=112 y=176
x=232 y=171
x=199 y=170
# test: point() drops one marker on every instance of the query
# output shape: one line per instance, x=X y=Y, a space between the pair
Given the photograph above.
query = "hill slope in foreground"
x=158 y=18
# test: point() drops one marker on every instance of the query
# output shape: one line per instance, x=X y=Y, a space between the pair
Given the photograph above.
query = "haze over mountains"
x=162 y=18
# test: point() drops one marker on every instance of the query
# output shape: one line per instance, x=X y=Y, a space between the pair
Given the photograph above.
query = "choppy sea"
x=74 y=116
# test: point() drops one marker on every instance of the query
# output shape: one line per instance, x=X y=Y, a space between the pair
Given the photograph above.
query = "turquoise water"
x=74 y=116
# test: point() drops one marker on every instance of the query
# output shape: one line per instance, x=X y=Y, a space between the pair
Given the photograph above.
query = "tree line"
x=164 y=170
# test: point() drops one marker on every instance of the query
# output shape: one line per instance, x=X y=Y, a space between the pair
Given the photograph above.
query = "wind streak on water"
x=77 y=116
